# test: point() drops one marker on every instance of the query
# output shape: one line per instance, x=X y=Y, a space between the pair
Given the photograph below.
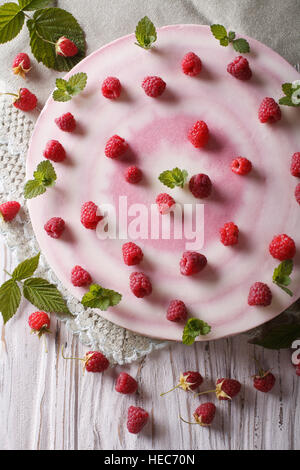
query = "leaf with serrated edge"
x=30 y=5
x=99 y=297
x=61 y=84
x=45 y=173
x=193 y=328
x=279 y=336
x=33 y=189
x=26 y=269
x=286 y=101
x=10 y=298
x=224 y=42
x=77 y=82
x=219 y=31
x=11 y=21
x=44 y=295
x=145 y=33
x=60 y=95
x=287 y=89
x=241 y=45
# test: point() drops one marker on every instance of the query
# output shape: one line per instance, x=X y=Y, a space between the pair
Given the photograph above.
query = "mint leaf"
x=45 y=173
x=46 y=27
x=231 y=36
x=44 y=295
x=292 y=92
x=145 y=33
x=286 y=101
x=11 y=21
x=281 y=275
x=194 y=328
x=60 y=95
x=99 y=297
x=61 y=84
x=280 y=336
x=224 y=42
x=287 y=89
x=219 y=31
x=172 y=178
x=241 y=45
x=67 y=89
x=26 y=269
x=33 y=189
x=30 y=5
x=10 y=298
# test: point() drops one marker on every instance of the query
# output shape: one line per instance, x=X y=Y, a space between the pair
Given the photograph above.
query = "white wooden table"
x=47 y=403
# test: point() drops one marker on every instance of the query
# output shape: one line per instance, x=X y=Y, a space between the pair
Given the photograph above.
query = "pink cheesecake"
x=262 y=203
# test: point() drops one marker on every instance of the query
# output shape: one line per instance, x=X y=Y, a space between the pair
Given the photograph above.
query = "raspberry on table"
x=126 y=384
x=66 y=122
x=153 y=86
x=140 y=284
x=9 y=210
x=54 y=151
x=132 y=254
x=297 y=193
x=164 y=203
x=136 y=419
x=192 y=263
x=198 y=135
x=259 y=294
x=229 y=234
x=89 y=215
x=295 y=165
x=239 y=68
x=111 y=88
x=39 y=322
x=241 y=166
x=205 y=413
x=188 y=381
x=21 y=64
x=115 y=147
x=133 y=174
x=80 y=277
x=191 y=64
x=25 y=100
x=200 y=186
x=55 y=227
x=282 y=247
x=95 y=362
x=65 y=47
x=177 y=311
x=226 y=389
x=269 y=111
x=264 y=382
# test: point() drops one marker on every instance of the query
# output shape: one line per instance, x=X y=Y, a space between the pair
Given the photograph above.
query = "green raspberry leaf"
x=241 y=45
x=279 y=336
x=45 y=173
x=172 y=178
x=219 y=31
x=99 y=297
x=145 y=33
x=46 y=27
x=44 y=296
x=26 y=269
x=33 y=189
x=30 y=5
x=10 y=298
x=11 y=21
x=194 y=328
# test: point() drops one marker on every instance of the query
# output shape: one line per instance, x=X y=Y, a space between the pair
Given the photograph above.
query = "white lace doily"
x=118 y=344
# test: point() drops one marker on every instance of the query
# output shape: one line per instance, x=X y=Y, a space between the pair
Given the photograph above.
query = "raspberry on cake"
x=295 y=165
x=229 y=234
x=54 y=151
x=80 y=277
x=89 y=215
x=269 y=111
x=55 y=227
x=164 y=202
x=259 y=294
x=66 y=122
x=191 y=64
x=153 y=86
x=140 y=284
x=111 y=88
x=9 y=210
x=132 y=254
x=297 y=193
x=200 y=186
x=241 y=166
x=21 y=64
x=192 y=263
x=198 y=135
x=282 y=247
x=239 y=68
x=115 y=147
x=133 y=174
x=177 y=311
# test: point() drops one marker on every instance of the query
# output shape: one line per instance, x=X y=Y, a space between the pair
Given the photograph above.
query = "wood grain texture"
x=47 y=402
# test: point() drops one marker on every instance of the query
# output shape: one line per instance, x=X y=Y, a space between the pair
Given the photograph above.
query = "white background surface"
x=46 y=403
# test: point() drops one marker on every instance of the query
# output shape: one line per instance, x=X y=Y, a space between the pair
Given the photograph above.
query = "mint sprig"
x=281 y=275
x=220 y=33
x=39 y=292
x=145 y=33
x=172 y=178
x=194 y=328
x=292 y=94
x=44 y=177
x=66 y=89
x=99 y=297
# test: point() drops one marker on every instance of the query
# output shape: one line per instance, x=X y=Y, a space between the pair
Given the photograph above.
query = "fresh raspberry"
x=39 y=322
x=140 y=284
x=188 y=381
x=229 y=234
x=295 y=165
x=80 y=277
x=153 y=86
x=65 y=47
x=54 y=151
x=226 y=389
x=205 y=414
x=66 y=122
x=298 y=370
x=241 y=166
x=264 y=382
x=198 y=135
x=269 y=111
x=164 y=202
x=200 y=185
x=21 y=64
x=25 y=100
x=133 y=174
x=177 y=311
x=55 y=227
x=115 y=147
x=259 y=294
x=297 y=193
x=136 y=420
x=111 y=88
x=239 y=68
x=89 y=217
x=132 y=254
x=9 y=210
x=282 y=247
x=191 y=64
x=126 y=384
x=192 y=263
x=95 y=361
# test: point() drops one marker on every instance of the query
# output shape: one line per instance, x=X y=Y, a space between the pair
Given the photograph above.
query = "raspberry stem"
x=204 y=393
x=76 y=358
x=187 y=422
x=174 y=388
x=43 y=39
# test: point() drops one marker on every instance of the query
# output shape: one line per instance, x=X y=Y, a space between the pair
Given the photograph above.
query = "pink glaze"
x=262 y=203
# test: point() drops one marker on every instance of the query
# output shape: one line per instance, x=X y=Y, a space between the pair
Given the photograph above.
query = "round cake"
x=262 y=203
